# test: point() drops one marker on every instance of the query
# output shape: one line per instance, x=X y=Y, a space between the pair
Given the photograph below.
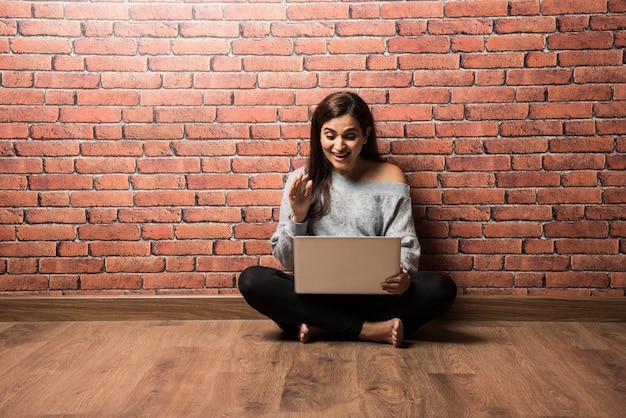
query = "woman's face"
x=342 y=141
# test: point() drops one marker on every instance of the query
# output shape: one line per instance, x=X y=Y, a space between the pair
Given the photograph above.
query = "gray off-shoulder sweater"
x=358 y=208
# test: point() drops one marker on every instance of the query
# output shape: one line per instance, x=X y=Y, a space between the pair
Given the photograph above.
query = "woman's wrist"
x=298 y=220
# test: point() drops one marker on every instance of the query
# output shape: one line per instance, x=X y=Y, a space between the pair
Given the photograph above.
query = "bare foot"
x=307 y=332
x=391 y=332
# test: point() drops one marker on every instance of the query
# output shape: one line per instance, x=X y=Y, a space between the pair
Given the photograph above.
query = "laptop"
x=344 y=265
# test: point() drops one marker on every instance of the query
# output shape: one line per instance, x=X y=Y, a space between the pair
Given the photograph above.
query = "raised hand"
x=300 y=197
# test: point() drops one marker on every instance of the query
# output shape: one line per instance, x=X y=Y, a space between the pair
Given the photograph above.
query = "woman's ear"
x=367 y=135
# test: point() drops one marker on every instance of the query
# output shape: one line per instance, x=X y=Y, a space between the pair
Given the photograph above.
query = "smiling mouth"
x=341 y=155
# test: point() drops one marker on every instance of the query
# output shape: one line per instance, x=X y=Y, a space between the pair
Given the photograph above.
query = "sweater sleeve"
x=400 y=224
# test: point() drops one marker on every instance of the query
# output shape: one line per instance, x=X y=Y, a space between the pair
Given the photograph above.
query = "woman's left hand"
x=397 y=284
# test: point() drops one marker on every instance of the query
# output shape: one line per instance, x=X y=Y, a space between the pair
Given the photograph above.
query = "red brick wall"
x=143 y=145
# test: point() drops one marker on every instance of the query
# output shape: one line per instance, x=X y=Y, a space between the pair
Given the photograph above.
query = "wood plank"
x=248 y=368
x=466 y=308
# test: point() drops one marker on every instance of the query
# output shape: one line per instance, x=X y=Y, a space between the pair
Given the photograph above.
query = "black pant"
x=271 y=292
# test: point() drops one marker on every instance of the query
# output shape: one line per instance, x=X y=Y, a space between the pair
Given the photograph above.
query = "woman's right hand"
x=300 y=197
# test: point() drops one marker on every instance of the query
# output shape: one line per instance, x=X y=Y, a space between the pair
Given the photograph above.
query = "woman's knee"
x=247 y=282
x=440 y=285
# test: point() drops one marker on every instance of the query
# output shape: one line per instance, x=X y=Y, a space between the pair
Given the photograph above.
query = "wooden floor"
x=247 y=368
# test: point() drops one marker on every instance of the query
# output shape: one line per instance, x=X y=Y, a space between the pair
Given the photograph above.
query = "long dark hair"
x=318 y=167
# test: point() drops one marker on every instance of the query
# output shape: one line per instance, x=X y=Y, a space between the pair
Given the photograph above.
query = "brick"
x=579 y=179
x=467 y=44
x=412 y=27
x=572 y=195
x=23 y=282
x=483 y=95
x=225 y=263
x=60 y=182
x=423 y=9
x=568 y=213
x=135 y=264
x=536 y=263
x=496 y=112
x=537 y=246
x=592 y=58
x=382 y=28
x=573 y=279
x=160 y=165
x=587 y=246
x=574 y=128
x=205 y=231
x=101 y=198
x=164 y=198
x=55 y=215
x=422 y=147
x=475 y=196
x=132 y=249
x=573 y=6
x=109 y=232
x=297 y=29
x=541 y=59
x=578 y=93
x=528 y=179
x=490 y=246
x=248 y=114
x=478 y=163
x=611 y=127
x=403 y=113
x=257 y=97
x=518 y=146
x=154 y=131
x=332 y=64
x=614 y=195
x=587 y=40
x=443 y=78
x=161 y=12
x=588 y=229
x=613 y=178
x=613 y=263
x=423 y=44
x=128 y=80
x=46 y=233
x=531 y=128
x=534 y=24
x=573 y=23
x=108 y=97
x=538 y=76
x=374 y=63
x=460 y=26
x=419 y=95
x=174 y=281
x=451 y=112
x=28 y=114
x=515 y=42
x=110 y=281
x=521 y=196
x=429 y=61
x=573 y=161
x=466 y=129
x=268 y=46
x=493 y=60
x=531 y=94
x=610 y=110
x=512 y=230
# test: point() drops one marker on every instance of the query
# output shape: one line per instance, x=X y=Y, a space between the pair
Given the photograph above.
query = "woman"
x=347 y=189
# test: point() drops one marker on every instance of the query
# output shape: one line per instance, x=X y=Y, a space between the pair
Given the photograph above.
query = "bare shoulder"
x=384 y=172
